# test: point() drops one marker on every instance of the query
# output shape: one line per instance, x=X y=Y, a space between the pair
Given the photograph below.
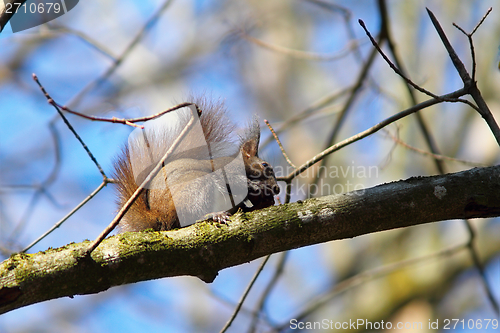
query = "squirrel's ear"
x=250 y=148
x=250 y=142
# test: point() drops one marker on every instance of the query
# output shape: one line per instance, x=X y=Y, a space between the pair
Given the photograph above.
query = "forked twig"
x=471 y=43
x=469 y=83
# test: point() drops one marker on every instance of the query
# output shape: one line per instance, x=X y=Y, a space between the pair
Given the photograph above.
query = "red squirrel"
x=208 y=175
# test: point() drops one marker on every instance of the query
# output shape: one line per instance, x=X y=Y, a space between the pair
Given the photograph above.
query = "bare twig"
x=393 y=67
x=61 y=221
x=479 y=265
x=270 y=286
x=481 y=21
x=471 y=43
x=449 y=97
x=422 y=125
x=435 y=156
x=130 y=121
x=279 y=144
x=245 y=294
x=469 y=83
x=70 y=127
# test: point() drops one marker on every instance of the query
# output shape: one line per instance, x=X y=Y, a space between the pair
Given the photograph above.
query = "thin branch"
x=61 y=221
x=422 y=125
x=129 y=121
x=279 y=144
x=487 y=116
x=269 y=288
x=481 y=21
x=471 y=43
x=479 y=266
x=449 y=97
x=393 y=67
x=245 y=294
x=70 y=127
x=435 y=156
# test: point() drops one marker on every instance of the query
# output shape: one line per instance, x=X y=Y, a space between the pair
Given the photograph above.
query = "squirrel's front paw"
x=219 y=217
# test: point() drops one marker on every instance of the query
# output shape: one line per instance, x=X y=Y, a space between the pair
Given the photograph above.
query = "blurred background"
x=307 y=67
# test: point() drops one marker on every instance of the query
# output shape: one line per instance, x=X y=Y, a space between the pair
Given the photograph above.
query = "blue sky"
x=153 y=78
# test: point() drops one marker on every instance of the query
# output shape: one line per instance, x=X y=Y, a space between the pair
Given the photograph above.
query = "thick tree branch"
x=203 y=249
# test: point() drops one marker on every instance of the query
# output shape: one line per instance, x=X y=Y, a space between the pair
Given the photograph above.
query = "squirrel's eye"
x=265 y=165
